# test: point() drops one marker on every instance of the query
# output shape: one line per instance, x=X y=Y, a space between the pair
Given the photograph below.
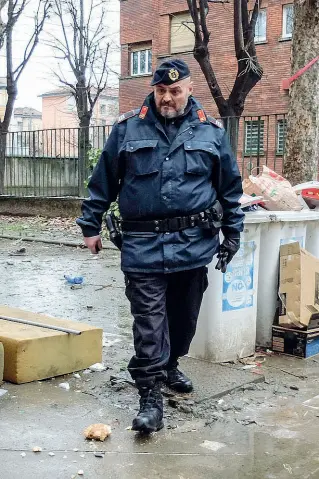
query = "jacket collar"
x=194 y=111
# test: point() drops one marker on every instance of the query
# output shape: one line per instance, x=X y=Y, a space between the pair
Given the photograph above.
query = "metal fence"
x=54 y=143
x=51 y=162
x=56 y=162
x=261 y=141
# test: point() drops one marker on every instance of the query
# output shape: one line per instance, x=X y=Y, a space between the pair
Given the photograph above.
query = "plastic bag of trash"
x=250 y=203
x=248 y=200
x=74 y=279
x=276 y=190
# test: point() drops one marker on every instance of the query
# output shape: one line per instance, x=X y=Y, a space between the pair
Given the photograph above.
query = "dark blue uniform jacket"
x=157 y=175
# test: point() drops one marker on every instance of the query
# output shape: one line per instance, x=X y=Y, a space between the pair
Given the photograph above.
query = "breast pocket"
x=199 y=157
x=141 y=157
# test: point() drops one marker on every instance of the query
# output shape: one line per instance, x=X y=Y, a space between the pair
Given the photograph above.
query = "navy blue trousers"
x=165 y=308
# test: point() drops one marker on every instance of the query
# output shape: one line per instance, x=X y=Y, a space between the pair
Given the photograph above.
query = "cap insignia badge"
x=173 y=74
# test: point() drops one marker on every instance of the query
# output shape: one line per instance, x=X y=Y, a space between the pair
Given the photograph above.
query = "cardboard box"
x=299 y=288
x=32 y=353
x=302 y=344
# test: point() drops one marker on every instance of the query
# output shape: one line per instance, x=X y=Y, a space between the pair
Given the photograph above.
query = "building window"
x=281 y=136
x=141 y=62
x=254 y=137
x=182 y=33
x=261 y=26
x=103 y=109
x=287 y=20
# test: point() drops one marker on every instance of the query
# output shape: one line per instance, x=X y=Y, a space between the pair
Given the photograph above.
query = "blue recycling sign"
x=238 y=281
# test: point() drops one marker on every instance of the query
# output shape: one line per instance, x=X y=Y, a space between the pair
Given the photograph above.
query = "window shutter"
x=254 y=137
x=182 y=36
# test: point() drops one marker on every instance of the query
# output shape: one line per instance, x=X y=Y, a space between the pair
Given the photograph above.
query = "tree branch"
x=59 y=14
x=238 y=28
x=249 y=72
x=245 y=21
x=14 y=12
x=35 y=37
x=3 y=3
x=85 y=52
x=254 y=15
x=201 y=52
x=192 y=5
x=203 y=9
x=64 y=82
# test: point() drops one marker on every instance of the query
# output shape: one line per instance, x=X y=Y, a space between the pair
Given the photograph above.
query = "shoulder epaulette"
x=128 y=115
x=215 y=122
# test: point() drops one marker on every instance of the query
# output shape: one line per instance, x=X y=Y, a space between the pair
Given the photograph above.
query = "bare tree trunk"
x=12 y=95
x=84 y=147
x=302 y=142
x=249 y=72
x=15 y=10
x=231 y=124
x=84 y=113
x=3 y=140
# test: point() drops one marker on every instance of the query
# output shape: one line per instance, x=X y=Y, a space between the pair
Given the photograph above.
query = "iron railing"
x=56 y=162
x=260 y=141
x=53 y=162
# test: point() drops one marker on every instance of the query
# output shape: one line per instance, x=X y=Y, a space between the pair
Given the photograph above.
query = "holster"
x=113 y=226
x=214 y=217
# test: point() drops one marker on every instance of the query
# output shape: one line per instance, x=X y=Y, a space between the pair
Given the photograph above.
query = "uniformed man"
x=171 y=166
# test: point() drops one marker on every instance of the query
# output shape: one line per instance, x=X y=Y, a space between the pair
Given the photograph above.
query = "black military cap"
x=171 y=72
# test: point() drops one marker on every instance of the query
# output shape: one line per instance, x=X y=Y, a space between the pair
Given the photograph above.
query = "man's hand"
x=94 y=243
x=227 y=251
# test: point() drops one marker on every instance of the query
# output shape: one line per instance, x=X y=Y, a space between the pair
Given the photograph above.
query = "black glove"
x=227 y=251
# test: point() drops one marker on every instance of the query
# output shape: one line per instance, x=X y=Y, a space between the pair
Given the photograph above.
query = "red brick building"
x=157 y=29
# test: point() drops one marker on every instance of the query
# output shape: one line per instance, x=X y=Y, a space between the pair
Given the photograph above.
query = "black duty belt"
x=178 y=223
x=207 y=219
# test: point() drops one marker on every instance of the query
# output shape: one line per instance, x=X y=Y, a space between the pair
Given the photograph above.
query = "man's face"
x=171 y=100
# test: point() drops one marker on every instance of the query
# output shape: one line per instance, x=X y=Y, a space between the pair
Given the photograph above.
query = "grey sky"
x=37 y=76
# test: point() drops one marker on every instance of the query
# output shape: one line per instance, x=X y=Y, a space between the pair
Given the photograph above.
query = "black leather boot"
x=150 y=416
x=177 y=380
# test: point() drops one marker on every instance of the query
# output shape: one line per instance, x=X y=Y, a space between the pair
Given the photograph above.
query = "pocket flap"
x=139 y=234
x=207 y=146
x=135 y=145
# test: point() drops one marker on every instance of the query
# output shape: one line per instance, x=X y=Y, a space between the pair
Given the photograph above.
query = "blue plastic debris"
x=74 y=279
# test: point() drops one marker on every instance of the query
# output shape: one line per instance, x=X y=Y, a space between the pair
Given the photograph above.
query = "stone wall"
x=41 y=176
x=30 y=206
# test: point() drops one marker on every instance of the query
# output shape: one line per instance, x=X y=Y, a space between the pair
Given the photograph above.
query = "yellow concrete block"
x=1 y=362
x=32 y=353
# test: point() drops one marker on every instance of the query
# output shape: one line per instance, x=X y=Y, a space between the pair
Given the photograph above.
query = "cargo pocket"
x=142 y=159
x=199 y=157
x=140 y=234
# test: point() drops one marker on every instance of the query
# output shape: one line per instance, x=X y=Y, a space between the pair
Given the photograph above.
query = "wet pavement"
x=237 y=424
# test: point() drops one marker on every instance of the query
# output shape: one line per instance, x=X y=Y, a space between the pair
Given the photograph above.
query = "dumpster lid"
x=281 y=216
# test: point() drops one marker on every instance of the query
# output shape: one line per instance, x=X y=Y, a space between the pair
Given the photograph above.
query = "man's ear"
x=190 y=88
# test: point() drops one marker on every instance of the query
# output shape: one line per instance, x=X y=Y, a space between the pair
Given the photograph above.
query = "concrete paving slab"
x=49 y=417
x=121 y=466
x=275 y=438
x=216 y=380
